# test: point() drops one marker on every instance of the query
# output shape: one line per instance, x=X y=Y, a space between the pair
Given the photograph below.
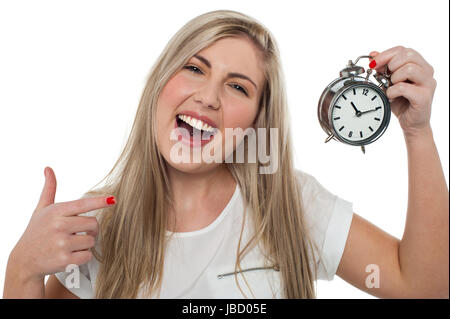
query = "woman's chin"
x=193 y=167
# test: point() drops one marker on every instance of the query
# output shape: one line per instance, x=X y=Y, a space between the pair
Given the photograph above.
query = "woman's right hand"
x=50 y=242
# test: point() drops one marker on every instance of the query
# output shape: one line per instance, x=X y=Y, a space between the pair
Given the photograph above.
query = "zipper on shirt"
x=275 y=267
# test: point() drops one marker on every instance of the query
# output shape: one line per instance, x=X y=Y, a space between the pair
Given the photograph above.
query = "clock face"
x=358 y=113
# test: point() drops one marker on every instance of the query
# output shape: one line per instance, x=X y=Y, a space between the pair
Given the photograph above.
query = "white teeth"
x=198 y=124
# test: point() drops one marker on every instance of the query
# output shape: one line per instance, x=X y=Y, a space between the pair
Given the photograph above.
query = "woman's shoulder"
x=307 y=182
x=317 y=199
x=301 y=175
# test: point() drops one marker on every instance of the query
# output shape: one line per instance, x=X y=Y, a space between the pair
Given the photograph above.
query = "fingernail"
x=372 y=64
x=111 y=200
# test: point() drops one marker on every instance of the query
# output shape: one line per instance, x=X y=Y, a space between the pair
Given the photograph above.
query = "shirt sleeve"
x=328 y=218
x=80 y=279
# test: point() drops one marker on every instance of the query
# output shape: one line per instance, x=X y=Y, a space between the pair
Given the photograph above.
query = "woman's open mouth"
x=200 y=133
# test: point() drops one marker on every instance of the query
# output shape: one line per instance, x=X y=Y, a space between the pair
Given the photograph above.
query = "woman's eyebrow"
x=231 y=74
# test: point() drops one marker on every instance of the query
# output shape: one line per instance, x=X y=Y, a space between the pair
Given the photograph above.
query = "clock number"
x=350 y=134
x=365 y=91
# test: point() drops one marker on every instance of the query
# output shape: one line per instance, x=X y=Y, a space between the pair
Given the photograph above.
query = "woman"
x=200 y=229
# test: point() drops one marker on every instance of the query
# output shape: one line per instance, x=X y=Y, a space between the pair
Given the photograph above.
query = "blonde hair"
x=133 y=232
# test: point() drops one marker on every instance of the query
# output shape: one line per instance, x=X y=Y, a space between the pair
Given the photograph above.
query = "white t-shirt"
x=195 y=260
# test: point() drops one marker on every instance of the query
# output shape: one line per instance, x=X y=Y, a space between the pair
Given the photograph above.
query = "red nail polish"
x=111 y=200
x=372 y=64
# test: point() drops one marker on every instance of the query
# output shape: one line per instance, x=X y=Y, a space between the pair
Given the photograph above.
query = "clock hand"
x=357 y=112
x=368 y=111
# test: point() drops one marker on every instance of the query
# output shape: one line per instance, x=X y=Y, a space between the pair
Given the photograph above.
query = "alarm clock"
x=353 y=109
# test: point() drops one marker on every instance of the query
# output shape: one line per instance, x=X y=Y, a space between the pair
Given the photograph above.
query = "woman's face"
x=221 y=86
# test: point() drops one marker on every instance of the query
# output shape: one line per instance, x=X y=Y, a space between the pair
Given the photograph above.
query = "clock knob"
x=351 y=71
x=384 y=80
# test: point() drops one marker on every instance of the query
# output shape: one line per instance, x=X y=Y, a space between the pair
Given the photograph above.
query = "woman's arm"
x=19 y=286
x=55 y=290
x=416 y=266
x=424 y=250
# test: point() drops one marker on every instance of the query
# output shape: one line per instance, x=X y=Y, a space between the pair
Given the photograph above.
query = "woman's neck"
x=199 y=198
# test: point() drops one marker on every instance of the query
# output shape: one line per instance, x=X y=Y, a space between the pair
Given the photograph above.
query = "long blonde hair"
x=133 y=232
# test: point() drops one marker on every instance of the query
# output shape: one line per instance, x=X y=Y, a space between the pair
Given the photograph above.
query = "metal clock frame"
x=384 y=124
x=333 y=91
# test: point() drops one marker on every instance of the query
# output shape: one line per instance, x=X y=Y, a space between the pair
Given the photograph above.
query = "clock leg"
x=329 y=138
x=363 y=149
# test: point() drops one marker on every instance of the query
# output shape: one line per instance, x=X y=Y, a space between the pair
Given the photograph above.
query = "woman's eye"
x=239 y=88
x=193 y=69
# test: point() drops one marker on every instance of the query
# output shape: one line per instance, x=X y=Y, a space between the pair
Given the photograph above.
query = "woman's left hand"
x=412 y=90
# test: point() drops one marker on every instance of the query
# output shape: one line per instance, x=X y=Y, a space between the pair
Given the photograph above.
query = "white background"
x=72 y=72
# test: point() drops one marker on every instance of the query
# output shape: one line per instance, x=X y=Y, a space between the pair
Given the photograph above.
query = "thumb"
x=48 y=193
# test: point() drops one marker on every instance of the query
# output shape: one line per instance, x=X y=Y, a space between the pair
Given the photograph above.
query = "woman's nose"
x=208 y=96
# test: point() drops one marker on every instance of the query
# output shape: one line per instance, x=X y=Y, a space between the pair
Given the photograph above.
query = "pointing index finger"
x=84 y=205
